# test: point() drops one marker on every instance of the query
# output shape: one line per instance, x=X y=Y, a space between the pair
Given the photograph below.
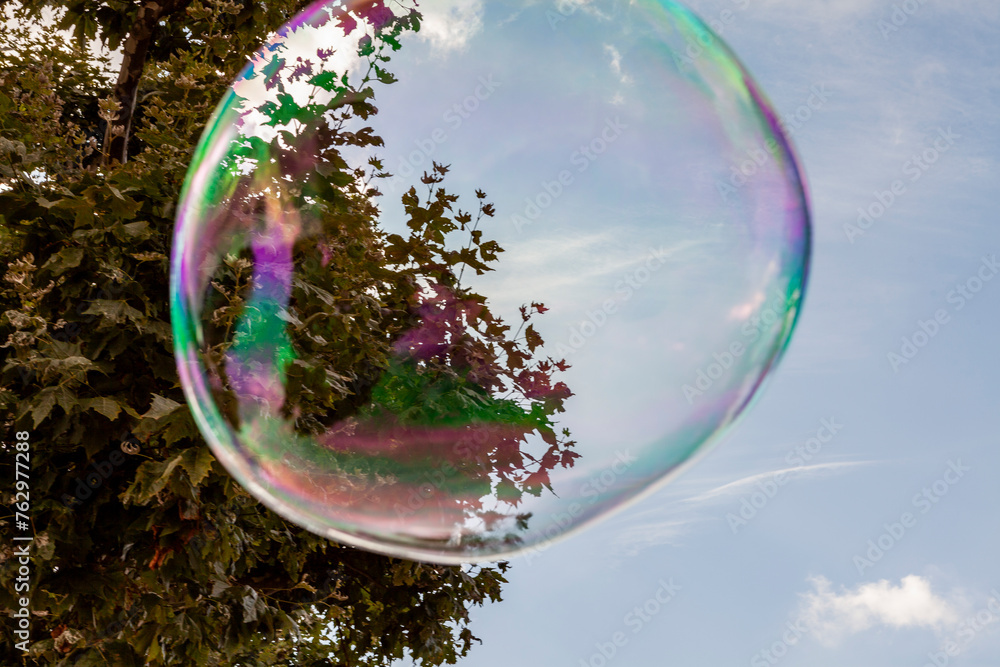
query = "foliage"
x=169 y=561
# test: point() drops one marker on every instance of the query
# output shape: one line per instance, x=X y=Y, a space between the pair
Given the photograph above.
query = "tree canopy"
x=167 y=560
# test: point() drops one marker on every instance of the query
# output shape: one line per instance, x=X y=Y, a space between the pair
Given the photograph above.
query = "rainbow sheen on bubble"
x=451 y=280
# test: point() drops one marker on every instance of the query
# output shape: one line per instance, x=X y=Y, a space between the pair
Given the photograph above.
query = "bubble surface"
x=451 y=280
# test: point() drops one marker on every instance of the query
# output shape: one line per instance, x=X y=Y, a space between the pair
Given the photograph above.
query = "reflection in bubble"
x=441 y=273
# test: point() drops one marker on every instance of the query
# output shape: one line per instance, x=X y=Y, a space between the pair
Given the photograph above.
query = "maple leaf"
x=534 y=341
x=304 y=67
x=347 y=22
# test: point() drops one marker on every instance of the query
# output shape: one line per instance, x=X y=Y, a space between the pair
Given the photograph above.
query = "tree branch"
x=135 y=52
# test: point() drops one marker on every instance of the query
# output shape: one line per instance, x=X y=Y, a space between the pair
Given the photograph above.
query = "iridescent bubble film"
x=451 y=280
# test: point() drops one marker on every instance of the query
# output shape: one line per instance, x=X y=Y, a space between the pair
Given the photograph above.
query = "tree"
x=146 y=550
x=424 y=360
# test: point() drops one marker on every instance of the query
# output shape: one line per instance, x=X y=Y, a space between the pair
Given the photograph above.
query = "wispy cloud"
x=689 y=503
x=741 y=485
x=892 y=90
x=561 y=269
x=634 y=539
x=835 y=11
x=616 y=63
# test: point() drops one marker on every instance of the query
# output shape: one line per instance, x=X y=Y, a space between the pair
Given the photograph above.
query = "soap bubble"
x=451 y=280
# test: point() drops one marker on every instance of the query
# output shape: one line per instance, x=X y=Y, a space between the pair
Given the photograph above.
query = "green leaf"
x=70 y=364
x=43 y=546
x=181 y=426
x=116 y=311
x=103 y=405
x=145 y=637
x=136 y=229
x=250 y=606
x=150 y=479
x=40 y=408
x=325 y=80
x=160 y=329
x=282 y=113
x=197 y=461
x=65 y=259
x=384 y=76
x=161 y=407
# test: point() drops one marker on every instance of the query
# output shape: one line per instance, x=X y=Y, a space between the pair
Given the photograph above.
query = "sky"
x=607 y=165
x=849 y=517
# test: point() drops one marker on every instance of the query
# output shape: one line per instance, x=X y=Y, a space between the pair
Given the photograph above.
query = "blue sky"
x=647 y=269
x=850 y=517
x=884 y=550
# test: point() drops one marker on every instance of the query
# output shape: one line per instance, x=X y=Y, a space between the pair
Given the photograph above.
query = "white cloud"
x=450 y=24
x=833 y=616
